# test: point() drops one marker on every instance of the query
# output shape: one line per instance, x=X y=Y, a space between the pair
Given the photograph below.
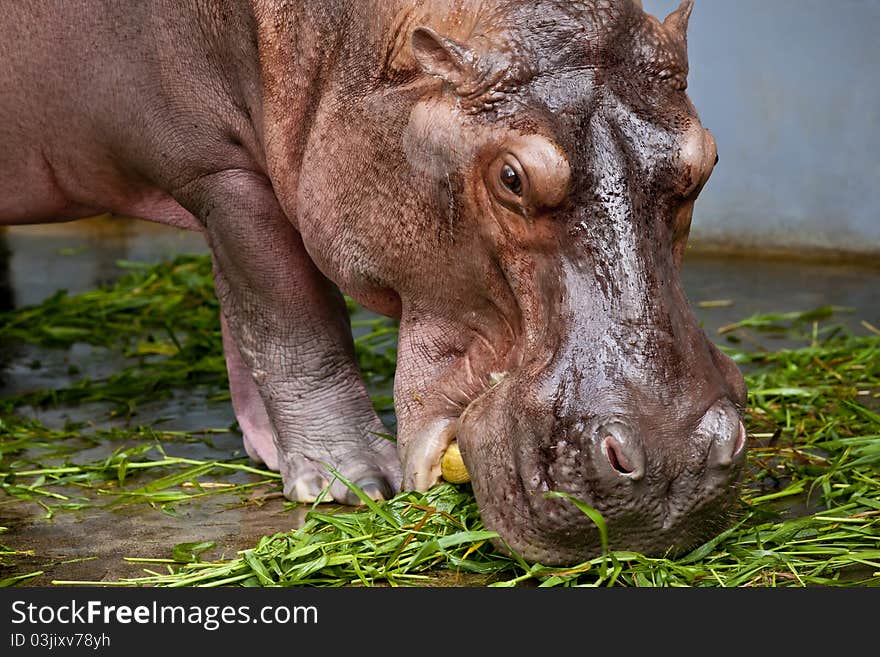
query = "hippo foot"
x=310 y=475
x=372 y=465
x=307 y=474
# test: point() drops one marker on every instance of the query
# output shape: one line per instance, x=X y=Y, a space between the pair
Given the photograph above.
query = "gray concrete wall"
x=791 y=91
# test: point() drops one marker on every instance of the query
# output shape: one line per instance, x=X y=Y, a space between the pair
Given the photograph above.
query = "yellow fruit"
x=452 y=466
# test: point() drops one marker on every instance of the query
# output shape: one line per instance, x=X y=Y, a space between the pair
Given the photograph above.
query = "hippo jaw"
x=662 y=487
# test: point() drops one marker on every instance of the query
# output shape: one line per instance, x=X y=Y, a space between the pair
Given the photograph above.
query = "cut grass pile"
x=810 y=504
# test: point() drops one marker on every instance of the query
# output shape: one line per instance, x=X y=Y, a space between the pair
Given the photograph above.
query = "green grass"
x=810 y=503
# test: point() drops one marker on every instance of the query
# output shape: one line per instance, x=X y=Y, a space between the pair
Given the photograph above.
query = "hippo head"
x=520 y=196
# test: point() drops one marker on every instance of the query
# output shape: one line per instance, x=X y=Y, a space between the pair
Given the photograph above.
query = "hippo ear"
x=677 y=21
x=441 y=57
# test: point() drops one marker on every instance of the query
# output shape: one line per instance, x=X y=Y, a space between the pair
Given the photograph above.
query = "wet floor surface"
x=92 y=544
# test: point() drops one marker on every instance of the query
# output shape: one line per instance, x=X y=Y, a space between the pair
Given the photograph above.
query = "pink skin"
x=514 y=181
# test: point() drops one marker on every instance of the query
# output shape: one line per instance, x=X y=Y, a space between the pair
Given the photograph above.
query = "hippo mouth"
x=446 y=434
x=425 y=458
x=518 y=461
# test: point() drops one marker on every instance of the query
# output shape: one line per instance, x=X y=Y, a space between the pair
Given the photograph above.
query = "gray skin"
x=513 y=180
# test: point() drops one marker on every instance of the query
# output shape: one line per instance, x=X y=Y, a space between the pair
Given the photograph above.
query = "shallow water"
x=91 y=544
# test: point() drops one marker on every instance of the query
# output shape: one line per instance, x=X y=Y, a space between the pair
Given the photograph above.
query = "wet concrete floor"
x=91 y=544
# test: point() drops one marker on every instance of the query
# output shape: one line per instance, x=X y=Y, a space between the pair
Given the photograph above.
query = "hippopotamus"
x=513 y=180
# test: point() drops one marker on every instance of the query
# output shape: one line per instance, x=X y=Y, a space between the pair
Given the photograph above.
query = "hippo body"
x=513 y=180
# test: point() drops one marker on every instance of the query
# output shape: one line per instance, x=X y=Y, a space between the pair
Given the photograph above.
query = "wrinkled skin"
x=513 y=180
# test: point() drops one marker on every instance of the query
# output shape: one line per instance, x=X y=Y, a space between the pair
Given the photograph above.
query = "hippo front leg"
x=288 y=326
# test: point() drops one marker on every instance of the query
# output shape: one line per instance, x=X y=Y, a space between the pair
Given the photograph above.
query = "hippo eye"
x=511 y=180
x=529 y=177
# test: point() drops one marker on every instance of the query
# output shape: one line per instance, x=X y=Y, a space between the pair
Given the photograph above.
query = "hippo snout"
x=663 y=485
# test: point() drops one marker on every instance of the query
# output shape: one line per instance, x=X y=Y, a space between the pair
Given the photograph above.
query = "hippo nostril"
x=625 y=461
x=618 y=461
